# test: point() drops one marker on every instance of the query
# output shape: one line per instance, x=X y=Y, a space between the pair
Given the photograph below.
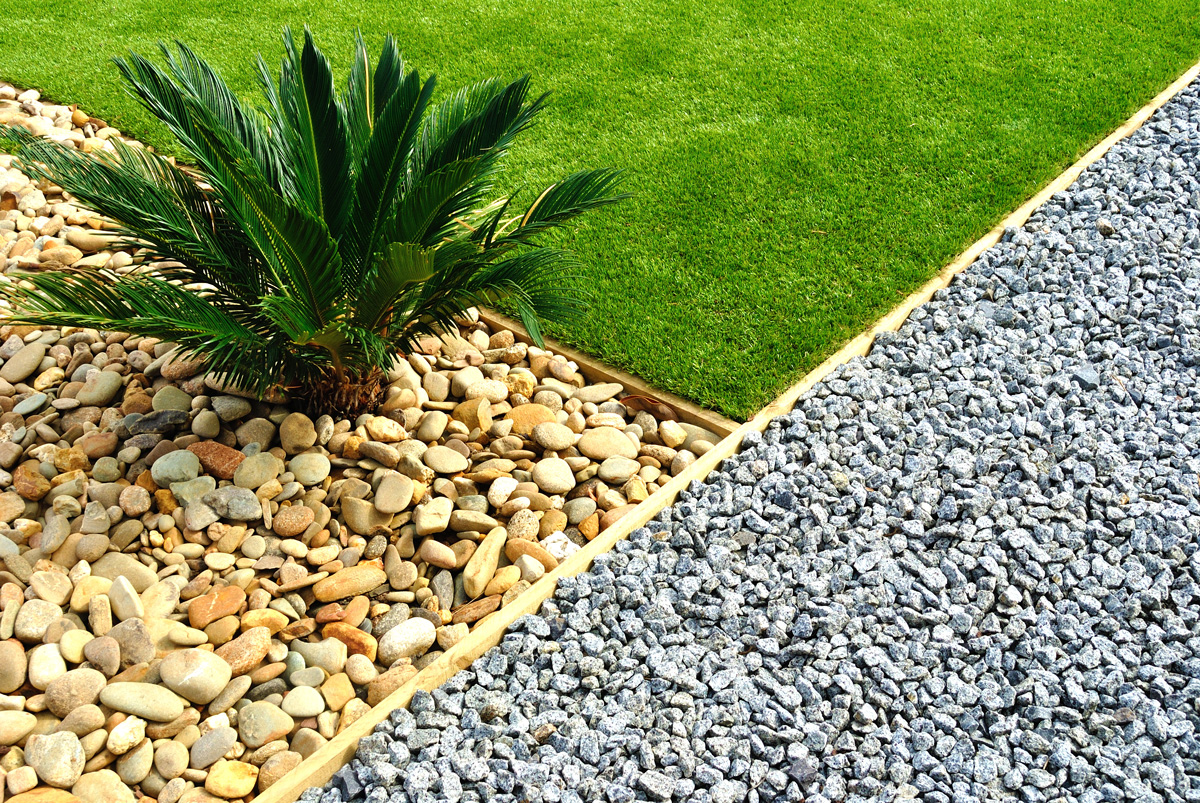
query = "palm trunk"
x=346 y=394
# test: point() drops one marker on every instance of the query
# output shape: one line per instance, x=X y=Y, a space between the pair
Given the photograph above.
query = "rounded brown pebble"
x=611 y=517
x=276 y=767
x=76 y=688
x=291 y=521
x=437 y=554
x=515 y=549
x=134 y=500
x=92 y=546
x=207 y=609
x=12 y=665
x=552 y=521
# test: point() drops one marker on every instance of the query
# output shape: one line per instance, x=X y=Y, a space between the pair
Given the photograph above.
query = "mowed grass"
x=798 y=167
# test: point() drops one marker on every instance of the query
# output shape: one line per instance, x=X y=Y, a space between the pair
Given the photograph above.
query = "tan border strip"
x=598 y=371
x=318 y=768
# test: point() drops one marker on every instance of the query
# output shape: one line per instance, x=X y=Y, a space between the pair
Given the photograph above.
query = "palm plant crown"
x=317 y=235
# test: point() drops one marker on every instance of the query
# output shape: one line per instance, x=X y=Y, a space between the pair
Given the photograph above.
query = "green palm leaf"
x=156 y=205
x=368 y=91
x=469 y=151
x=248 y=125
x=449 y=115
x=400 y=266
x=302 y=257
x=152 y=307
x=314 y=130
x=428 y=209
x=568 y=199
x=534 y=282
x=381 y=179
x=482 y=126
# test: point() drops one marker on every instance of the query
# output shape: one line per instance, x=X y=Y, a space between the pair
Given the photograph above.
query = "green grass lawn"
x=798 y=167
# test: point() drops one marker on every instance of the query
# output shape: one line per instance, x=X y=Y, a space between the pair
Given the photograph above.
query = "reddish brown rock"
x=205 y=610
x=357 y=610
x=388 y=682
x=299 y=629
x=29 y=482
x=161 y=448
x=590 y=527
x=333 y=612
x=182 y=369
x=217 y=459
x=611 y=517
x=97 y=444
x=80 y=416
x=276 y=767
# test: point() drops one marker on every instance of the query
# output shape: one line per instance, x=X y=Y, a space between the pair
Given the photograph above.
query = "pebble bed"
x=199 y=590
x=964 y=568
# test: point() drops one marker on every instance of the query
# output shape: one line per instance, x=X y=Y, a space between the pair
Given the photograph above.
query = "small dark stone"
x=159 y=422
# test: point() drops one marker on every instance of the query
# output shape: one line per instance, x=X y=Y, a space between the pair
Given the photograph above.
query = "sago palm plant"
x=315 y=236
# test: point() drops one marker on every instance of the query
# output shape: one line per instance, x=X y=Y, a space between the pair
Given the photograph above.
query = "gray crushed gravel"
x=963 y=569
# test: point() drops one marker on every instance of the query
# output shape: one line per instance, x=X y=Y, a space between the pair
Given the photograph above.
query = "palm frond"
x=534 y=282
x=400 y=265
x=177 y=109
x=564 y=201
x=157 y=206
x=449 y=115
x=426 y=211
x=302 y=258
x=248 y=125
x=382 y=176
x=151 y=307
x=315 y=132
x=368 y=90
x=359 y=98
x=482 y=125
x=479 y=140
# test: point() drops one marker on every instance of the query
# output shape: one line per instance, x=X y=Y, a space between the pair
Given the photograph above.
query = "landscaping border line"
x=689 y=412
x=318 y=768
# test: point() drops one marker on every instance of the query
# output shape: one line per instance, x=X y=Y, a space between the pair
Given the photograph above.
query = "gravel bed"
x=964 y=568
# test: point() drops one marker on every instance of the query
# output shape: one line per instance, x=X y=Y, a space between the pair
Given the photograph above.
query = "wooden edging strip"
x=318 y=768
x=597 y=371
